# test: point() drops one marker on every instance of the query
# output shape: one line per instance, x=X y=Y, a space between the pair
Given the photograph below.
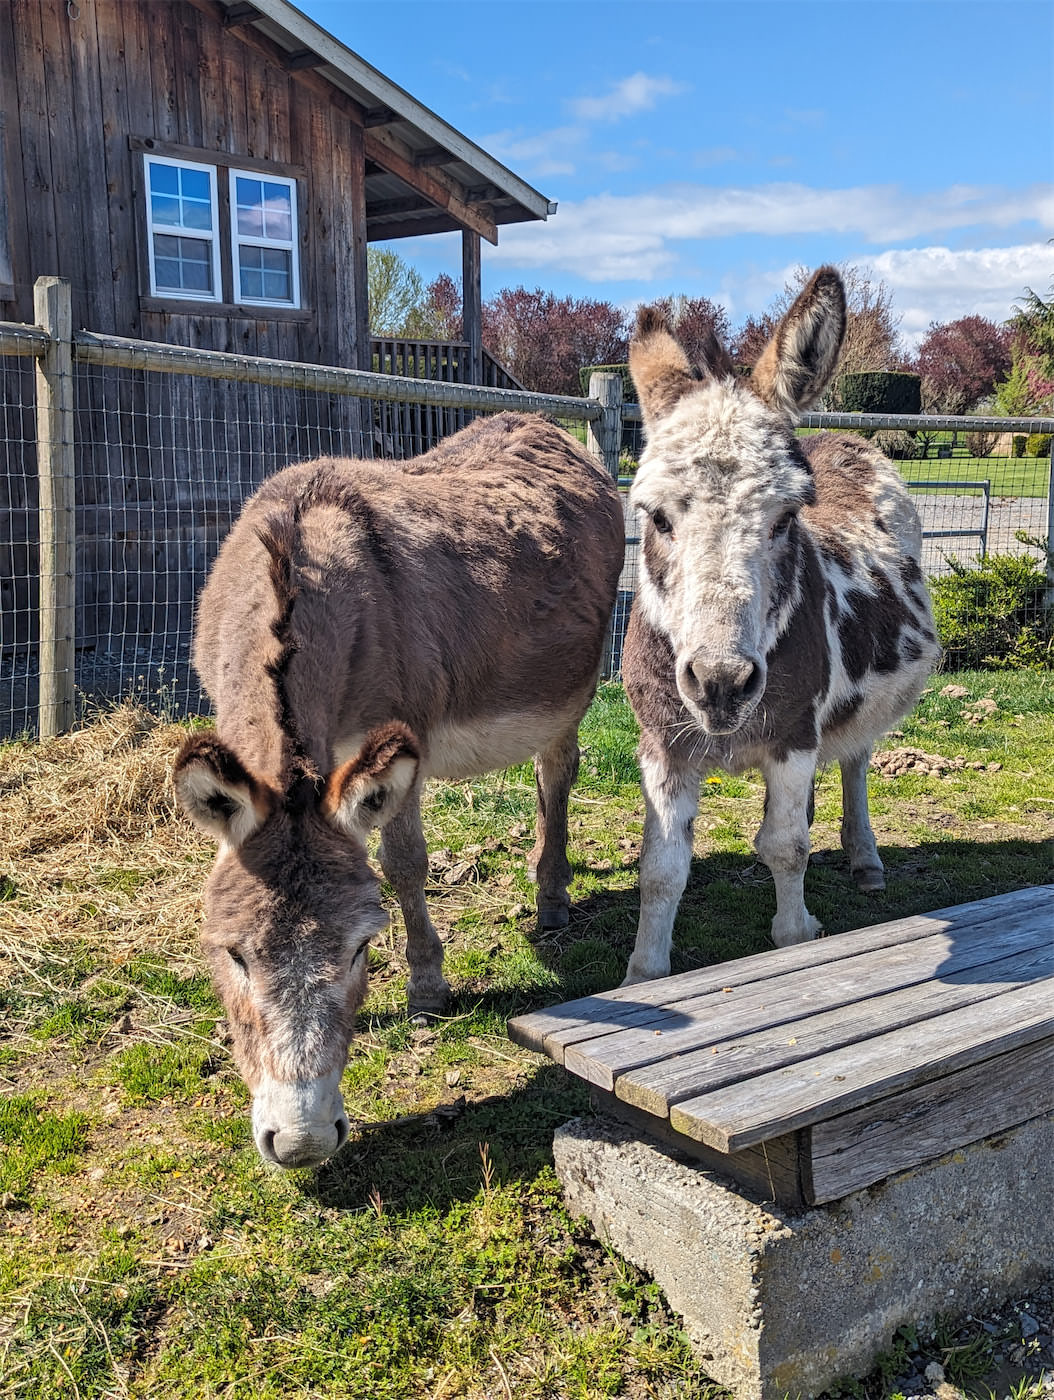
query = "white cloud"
x=637 y=93
x=553 y=152
x=609 y=237
x=942 y=284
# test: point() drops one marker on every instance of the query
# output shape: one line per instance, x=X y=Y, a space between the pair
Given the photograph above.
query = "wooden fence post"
x=52 y=306
x=604 y=435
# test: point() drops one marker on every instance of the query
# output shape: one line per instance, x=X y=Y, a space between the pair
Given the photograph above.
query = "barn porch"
x=810 y=1147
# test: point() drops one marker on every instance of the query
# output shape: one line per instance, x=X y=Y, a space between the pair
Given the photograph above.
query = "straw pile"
x=93 y=853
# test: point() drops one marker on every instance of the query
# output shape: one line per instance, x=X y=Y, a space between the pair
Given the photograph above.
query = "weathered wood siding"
x=163 y=463
x=76 y=91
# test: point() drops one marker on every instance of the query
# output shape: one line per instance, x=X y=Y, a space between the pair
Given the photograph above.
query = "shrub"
x=980 y=443
x=1019 y=444
x=629 y=393
x=896 y=443
x=991 y=614
x=881 y=391
x=1038 y=445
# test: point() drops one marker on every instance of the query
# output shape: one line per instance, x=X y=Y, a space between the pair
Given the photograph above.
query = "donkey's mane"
x=279 y=535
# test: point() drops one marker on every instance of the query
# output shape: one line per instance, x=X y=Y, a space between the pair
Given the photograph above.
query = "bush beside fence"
x=128 y=462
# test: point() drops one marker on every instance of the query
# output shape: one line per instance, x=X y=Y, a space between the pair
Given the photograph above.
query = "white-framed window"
x=183 y=243
x=219 y=233
x=264 y=239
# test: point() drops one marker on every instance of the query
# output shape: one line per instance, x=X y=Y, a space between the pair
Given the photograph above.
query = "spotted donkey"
x=782 y=620
x=368 y=625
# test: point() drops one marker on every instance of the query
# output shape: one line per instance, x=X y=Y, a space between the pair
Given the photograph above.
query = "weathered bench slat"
x=857 y=1149
x=551 y=1030
x=695 y=1023
x=728 y=1052
x=735 y=1117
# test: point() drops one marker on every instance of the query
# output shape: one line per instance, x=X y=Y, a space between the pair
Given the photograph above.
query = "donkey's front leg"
x=671 y=799
x=555 y=769
x=783 y=843
x=858 y=840
x=404 y=860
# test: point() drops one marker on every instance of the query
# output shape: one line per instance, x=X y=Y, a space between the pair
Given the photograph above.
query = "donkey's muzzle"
x=721 y=692
x=299 y=1123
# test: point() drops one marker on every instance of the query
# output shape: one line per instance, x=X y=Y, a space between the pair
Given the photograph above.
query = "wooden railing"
x=447 y=361
x=405 y=429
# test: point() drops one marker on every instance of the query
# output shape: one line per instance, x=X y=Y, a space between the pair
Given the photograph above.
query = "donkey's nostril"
x=754 y=681
x=343 y=1128
x=266 y=1144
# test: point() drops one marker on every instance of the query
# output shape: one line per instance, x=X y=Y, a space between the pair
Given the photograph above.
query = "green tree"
x=400 y=303
x=1029 y=387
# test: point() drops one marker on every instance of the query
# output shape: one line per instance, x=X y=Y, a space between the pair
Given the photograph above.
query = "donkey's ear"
x=371 y=787
x=218 y=793
x=660 y=368
x=797 y=364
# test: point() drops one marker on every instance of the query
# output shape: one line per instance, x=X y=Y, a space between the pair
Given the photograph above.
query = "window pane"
x=278 y=211
x=266 y=273
x=252 y=282
x=196 y=214
x=195 y=184
x=182 y=264
x=164 y=209
x=250 y=207
x=164 y=179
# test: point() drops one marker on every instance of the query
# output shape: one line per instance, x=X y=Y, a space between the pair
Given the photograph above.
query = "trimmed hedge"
x=629 y=392
x=1038 y=445
x=880 y=391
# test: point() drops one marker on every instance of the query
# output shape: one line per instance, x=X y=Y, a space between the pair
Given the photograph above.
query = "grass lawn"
x=146 y=1252
x=1009 y=476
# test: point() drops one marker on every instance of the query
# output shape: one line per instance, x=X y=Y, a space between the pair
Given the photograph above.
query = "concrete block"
x=780 y=1304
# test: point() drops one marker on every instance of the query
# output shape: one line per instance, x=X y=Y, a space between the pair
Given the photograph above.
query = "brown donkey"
x=782 y=620
x=368 y=625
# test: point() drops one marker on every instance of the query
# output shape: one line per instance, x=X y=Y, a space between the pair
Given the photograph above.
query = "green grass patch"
x=35 y=1139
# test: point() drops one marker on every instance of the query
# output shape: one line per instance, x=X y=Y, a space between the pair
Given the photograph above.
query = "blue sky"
x=709 y=148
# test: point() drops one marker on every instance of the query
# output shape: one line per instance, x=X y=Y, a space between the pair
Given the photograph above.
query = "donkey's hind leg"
x=858 y=840
x=555 y=769
x=404 y=860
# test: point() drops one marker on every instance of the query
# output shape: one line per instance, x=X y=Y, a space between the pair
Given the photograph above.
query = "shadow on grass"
x=434 y=1159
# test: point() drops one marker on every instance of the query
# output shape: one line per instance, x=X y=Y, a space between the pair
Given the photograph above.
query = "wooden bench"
x=810 y=1072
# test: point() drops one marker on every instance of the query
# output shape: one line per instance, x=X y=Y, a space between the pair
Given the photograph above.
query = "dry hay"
x=92 y=850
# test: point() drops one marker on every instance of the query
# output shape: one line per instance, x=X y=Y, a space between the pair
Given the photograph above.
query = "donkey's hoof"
x=424 y=1003
x=870 y=880
x=553 y=917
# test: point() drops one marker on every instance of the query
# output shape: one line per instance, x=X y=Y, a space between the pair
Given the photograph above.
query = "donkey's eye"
x=662 y=522
x=782 y=525
x=238 y=961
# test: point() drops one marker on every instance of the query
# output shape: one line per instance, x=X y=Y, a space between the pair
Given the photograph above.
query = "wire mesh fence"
x=169 y=443
x=19 y=555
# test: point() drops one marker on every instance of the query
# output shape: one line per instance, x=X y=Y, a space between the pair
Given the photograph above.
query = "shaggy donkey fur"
x=368 y=625
x=782 y=620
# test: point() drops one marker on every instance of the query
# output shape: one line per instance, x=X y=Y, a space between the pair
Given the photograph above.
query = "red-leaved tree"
x=960 y=363
x=543 y=340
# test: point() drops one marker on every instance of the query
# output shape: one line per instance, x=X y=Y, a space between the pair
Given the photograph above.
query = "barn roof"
x=422 y=176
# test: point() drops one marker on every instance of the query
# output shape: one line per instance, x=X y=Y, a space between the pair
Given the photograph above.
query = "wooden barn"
x=209 y=173
x=206 y=173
